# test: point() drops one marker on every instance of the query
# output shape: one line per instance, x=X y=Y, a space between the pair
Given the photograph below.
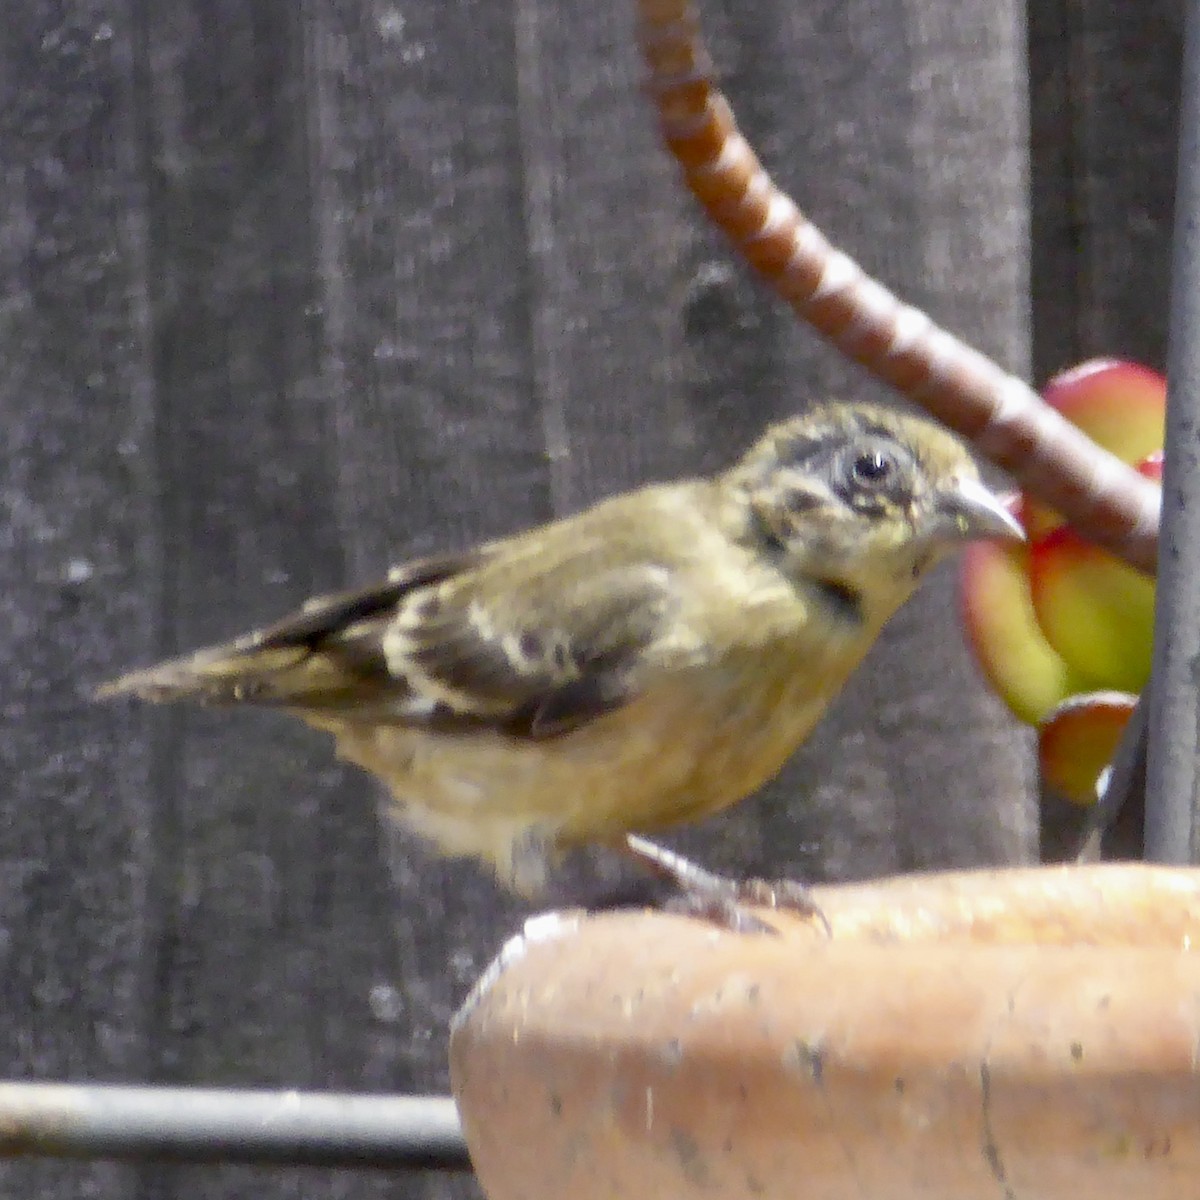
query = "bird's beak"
x=973 y=511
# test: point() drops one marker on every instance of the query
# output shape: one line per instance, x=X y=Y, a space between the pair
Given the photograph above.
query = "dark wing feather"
x=536 y=661
x=447 y=644
x=328 y=654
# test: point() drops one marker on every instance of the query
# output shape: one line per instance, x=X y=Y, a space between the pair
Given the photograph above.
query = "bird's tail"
x=239 y=673
x=326 y=655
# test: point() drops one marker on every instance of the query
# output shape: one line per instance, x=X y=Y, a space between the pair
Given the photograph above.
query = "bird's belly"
x=677 y=753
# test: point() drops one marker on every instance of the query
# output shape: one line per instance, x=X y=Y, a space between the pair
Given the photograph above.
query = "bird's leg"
x=721 y=898
x=527 y=871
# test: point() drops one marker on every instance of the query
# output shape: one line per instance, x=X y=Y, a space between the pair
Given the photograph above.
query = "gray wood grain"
x=289 y=293
x=1105 y=88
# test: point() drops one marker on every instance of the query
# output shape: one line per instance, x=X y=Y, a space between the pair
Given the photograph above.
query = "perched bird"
x=646 y=662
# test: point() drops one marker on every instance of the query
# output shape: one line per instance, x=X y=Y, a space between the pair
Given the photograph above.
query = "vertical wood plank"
x=1105 y=87
x=78 y=526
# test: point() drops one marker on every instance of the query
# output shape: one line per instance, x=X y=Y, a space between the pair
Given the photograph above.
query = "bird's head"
x=861 y=501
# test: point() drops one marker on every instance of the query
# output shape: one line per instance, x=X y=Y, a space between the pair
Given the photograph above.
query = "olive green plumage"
x=650 y=660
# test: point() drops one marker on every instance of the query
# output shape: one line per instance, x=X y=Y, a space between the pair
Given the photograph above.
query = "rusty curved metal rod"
x=1001 y=415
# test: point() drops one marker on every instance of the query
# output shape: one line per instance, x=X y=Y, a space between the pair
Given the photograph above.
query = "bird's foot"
x=723 y=900
x=527 y=871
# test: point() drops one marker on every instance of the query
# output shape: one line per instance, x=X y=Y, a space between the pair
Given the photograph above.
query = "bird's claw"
x=722 y=911
x=787 y=895
x=725 y=901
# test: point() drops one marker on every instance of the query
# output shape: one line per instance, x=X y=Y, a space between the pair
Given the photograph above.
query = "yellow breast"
x=692 y=745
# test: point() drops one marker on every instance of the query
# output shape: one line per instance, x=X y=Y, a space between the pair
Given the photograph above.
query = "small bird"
x=646 y=662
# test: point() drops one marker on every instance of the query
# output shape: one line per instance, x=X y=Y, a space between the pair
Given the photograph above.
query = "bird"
x=641 y=664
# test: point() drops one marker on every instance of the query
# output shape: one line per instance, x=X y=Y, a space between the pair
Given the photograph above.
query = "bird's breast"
x=690 y=745
x=737 y=726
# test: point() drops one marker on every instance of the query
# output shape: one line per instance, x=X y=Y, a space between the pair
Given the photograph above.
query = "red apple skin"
x=1028 y=674
x=1078 y=739
x=1120 y=405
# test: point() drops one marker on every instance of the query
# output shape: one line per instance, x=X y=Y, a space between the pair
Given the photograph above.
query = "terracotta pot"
x=1025 y=1033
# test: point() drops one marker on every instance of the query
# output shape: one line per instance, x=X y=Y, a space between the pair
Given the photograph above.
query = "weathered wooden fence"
x=289 y=292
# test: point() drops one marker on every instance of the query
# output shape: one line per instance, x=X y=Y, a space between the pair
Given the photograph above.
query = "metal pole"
x=209 y=1125
x=1172 y=779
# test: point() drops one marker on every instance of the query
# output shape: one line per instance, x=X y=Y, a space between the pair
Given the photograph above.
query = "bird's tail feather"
x=235 y=674
x=329 y=654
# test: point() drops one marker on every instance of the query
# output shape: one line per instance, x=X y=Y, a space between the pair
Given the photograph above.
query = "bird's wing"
x=536 y=660
x=445 y=644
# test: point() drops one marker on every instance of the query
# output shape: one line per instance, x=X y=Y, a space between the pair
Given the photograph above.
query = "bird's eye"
x=872 y=467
